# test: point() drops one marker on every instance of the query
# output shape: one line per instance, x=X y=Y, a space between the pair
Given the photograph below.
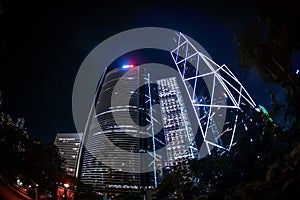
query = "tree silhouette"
x=24 y=156
x=267 y=44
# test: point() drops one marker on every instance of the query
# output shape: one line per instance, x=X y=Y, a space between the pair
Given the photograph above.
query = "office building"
x=68 y=145
x=118 y=142
x=178 y=131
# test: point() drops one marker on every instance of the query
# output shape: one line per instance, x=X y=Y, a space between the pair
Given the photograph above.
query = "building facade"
x=179 y=136
x=122 y=147
x=68 y=145
x=117 y=141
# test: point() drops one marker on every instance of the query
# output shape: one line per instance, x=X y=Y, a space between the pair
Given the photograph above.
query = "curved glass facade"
x=112 y=144
x=128 y=144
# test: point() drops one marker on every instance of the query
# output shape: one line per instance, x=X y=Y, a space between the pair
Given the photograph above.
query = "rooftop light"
x=127 y=66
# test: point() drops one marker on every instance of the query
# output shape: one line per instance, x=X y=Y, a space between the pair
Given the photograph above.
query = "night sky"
x=42 y=46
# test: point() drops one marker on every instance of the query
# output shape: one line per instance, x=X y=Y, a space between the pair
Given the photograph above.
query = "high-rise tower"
x=178 y=131
x=68 y=145
x=116 y=136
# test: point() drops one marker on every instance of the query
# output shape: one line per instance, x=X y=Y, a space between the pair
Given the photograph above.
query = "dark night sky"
x=42 y=46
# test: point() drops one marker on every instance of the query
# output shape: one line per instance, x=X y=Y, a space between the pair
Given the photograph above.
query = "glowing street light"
x=66 y=185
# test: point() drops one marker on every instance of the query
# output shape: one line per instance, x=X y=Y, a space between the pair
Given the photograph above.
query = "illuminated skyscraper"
x=177 y=127
x=116 y=135
x=68 y=145
x=121 y=130
x=217 y=96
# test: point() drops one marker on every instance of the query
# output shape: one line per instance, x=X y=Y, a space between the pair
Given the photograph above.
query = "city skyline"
x=128 y=116
x=113 y=143
x=50 y=44
x=149 y=100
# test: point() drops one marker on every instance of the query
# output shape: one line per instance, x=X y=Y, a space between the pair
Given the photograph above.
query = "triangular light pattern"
x=215 y=92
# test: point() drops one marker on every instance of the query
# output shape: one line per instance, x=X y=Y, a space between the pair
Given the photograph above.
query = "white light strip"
x=216 y=145
x=199 y=76
x=177 y=49
x=185 y=59
x=249 y=101
x=214 y=106
x=195 y=84
x=233 y=132
x=86 y=125
x=226 y=89
x=153 y=134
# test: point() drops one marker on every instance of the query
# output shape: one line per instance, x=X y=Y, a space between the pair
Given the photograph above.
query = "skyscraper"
x=177 y=127
x=120 y=130
x=116 y=136
x=123 y=147
x=68 y=145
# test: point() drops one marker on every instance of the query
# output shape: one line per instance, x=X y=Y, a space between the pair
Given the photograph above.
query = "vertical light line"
x=233 y=132
x=240 y=96
x=153 y=134
x=177 y=48
x=186 y=55
x=195 y=84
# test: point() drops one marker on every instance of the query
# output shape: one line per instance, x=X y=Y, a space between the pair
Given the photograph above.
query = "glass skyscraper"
x=123 y=146
x=68 y=145
x=116 y=136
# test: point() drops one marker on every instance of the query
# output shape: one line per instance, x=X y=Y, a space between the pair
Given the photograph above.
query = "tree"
x=256 y=150
x=267 y=44
x=24 y=156
x=176 y=185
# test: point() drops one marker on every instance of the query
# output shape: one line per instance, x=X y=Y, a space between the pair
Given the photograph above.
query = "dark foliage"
x=24 y=157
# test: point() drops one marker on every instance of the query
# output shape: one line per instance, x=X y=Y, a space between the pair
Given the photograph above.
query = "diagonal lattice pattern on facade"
x=216 y=94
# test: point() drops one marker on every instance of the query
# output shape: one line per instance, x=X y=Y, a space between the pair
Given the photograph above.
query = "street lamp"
x=66 y=185
x=36 y=191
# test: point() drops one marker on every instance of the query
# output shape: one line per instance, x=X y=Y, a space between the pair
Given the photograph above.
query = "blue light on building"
x=127 y=66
